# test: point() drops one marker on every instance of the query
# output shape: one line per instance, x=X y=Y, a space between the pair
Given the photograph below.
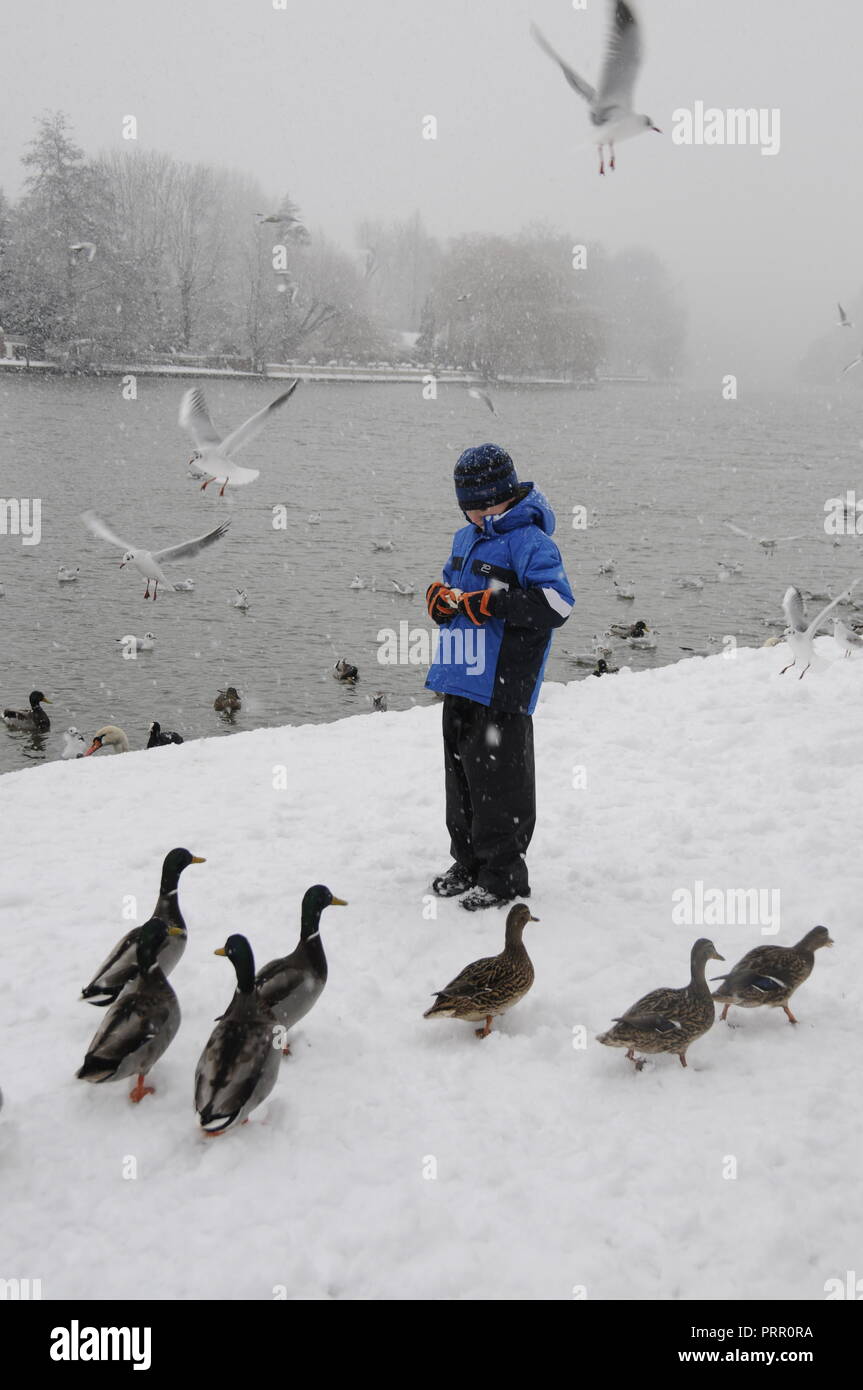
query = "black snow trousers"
x=490 y=793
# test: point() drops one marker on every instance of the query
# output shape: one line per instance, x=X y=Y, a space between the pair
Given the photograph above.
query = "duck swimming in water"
x=33 y=718
x=109 y=736
x=161 y=738
x=120 y=966
x=345 y=672
x=228 y=701
x=629 y=630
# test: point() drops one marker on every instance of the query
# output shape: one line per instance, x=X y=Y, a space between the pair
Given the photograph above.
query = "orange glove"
x=440 y=602
x=476 y=605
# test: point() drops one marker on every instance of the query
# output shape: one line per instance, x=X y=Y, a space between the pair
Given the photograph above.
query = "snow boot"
x=456 y=880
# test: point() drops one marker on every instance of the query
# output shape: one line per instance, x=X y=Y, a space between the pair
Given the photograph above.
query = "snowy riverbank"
x=557 y=1167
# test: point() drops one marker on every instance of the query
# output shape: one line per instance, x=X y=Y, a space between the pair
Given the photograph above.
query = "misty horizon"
x=330 y=106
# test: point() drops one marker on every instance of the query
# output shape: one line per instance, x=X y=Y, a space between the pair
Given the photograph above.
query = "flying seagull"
x=480 y=395
x=856 y=363
x=211 y=459
x=768 y=543
x=611 y=112
x=844 y=321
x=149 y=562
x=798 y=635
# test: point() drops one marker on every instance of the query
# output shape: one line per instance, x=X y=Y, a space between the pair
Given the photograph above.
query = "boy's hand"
x=441 y=602
x=476 y=605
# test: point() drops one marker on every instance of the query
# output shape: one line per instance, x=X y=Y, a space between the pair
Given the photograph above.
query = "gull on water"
x=67 y=576
x=149 y=563
x=799 y=635
x=240 y=599
x=611 y=112
x=184 y=586
x=357 y=583
x=86 y=246
x=141 y=644
x=212 y=457
x=726 y=571
x=74 y=744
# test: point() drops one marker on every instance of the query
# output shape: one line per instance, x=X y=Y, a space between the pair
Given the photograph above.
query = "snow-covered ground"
x=558 y=1168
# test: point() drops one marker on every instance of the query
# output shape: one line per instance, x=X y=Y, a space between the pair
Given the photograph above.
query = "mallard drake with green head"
x=32 y=718
x=668 y=1020
x=240 y=1064
x=121 y=965
x=294 y=983
x=140 y=1026
x=770 y=974
x=490 y=986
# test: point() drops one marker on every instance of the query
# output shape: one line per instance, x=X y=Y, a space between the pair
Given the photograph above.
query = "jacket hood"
x=534 y=509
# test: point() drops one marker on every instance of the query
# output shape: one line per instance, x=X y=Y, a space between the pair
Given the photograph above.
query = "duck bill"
x=220 y=951
x=533 y=919
x=717 y=956
x=196 y=860
x=337 y=902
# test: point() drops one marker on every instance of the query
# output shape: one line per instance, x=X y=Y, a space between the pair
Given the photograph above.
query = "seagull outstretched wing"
x=195 y=418
x=622 y=60
x=247 y=431
x=186 y=549
x=577 y=83
x=98 y=528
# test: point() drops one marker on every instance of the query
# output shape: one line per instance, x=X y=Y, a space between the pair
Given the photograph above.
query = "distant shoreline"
x=313 y=372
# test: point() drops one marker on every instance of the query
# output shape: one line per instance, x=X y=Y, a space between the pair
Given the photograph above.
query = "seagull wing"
x=578 y=84
x=187 y=549
x=622 y=60
x=792 y=607
x=195 y=418
x=98 y=528
x=738 y=530
x=256 y=423
x=817 y=622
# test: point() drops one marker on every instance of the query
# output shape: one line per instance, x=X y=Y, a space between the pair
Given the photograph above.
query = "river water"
x=658 y=469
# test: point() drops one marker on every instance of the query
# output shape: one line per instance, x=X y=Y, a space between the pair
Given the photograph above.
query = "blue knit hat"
x=484 y=476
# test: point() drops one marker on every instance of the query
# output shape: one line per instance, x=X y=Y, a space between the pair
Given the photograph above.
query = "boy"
x=504 y=590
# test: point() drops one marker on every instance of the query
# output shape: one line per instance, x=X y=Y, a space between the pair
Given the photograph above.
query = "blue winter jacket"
x=501 y=664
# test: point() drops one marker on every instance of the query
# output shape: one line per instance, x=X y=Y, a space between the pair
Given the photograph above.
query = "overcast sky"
x=326 y=99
